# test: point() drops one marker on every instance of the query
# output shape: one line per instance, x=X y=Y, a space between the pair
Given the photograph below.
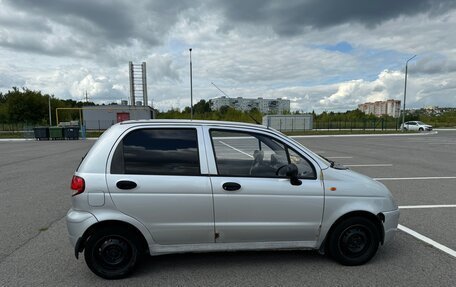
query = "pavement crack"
x=41 y=230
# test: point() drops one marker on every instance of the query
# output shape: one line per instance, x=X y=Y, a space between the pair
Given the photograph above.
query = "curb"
x=366 y=135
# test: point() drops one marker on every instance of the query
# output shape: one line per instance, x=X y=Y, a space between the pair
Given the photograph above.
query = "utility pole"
x=191 y=86
x=50 y=118
x=405 y=92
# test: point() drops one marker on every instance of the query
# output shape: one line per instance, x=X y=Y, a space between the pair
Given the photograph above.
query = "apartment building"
x=379 y=108
x=266 y=106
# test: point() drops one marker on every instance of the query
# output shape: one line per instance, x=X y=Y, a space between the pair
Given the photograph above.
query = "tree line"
x=202 y=110
x=31 y=107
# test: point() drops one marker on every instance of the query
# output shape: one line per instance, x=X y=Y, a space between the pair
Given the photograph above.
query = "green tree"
x=26 y=106
x=202 y=107
x=32 y=107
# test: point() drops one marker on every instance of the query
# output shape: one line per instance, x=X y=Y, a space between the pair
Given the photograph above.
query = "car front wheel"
x=111 y=253
x=354 y=241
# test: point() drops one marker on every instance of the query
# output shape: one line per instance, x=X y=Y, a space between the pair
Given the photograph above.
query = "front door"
x=156 y=177
x=253 y=200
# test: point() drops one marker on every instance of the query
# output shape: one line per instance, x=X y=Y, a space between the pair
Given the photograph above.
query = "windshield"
x=326 y=161
x=323 y=159
x=420 y=123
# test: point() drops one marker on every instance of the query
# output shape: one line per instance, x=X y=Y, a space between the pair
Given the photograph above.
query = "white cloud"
x=69 y=52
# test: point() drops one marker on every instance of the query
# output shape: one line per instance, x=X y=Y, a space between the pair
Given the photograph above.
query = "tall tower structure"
x=138 y=83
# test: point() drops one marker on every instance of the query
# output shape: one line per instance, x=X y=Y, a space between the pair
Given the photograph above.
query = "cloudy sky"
x=322 y=55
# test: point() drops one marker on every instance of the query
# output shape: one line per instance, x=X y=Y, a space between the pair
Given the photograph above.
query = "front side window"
x=157 y=152
x=255 y=155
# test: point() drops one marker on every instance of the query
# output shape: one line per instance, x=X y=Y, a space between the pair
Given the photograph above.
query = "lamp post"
x=191 y=86
x=405 y=92
x=50 y=118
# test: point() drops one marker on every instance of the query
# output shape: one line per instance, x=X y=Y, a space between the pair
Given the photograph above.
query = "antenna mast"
x=220 y=89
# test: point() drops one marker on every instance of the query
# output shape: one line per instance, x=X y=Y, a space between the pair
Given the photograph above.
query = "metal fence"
x=377 y=124
x=288 y=123
x=12 y=127
x=98 y=125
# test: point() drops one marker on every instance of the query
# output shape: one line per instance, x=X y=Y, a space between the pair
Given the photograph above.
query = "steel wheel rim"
x=354 y=241
x=113 y=252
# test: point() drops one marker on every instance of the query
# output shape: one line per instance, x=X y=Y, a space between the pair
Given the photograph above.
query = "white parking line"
x=427 y=240
x=15 y=140
x=235 y=149
x=371 y=165
x=415 y=178
x=426 y=206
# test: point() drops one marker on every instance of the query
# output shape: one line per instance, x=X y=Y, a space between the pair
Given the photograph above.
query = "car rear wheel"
x=111 y=253
x=354 y=241
x=421 y=129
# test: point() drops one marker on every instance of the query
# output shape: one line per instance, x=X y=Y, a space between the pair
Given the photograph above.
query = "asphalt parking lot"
x=419 y=170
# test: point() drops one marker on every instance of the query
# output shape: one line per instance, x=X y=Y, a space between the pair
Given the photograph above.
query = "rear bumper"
x=77 y=223
x=390 y=224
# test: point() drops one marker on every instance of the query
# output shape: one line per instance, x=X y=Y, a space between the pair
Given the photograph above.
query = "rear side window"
x=157 y=152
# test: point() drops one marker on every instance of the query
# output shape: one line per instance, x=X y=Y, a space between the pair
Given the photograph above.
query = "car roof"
x=193 y=122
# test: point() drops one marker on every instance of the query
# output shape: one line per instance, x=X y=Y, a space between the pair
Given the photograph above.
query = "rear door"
x=158 y=175
x=253 y=200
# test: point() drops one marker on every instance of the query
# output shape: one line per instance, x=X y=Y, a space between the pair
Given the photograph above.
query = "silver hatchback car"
x=156 y=187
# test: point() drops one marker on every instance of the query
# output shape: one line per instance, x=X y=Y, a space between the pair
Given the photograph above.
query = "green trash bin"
x=56 y=133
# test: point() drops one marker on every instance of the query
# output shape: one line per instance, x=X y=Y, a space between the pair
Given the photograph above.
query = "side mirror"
x=292 y=173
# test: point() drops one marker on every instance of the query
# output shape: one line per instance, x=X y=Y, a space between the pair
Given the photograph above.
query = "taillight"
x=77 y=184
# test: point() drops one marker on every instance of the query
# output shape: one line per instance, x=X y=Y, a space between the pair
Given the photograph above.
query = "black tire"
x=354 y=241
x=112 y=253
x=421 y=129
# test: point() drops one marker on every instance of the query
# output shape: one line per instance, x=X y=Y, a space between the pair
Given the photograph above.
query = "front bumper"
x=390 y=224
x=77 y=223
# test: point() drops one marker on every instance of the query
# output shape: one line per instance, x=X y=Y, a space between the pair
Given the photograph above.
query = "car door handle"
x=126 y=184
x=231 y=186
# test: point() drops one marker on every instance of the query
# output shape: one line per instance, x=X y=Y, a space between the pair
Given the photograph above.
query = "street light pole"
x=50 y=118
x=191 y=86
x=405 y=92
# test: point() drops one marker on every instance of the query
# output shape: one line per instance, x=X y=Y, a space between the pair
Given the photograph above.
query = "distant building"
x=102 y=117
x=267 y=106
x=389 y=107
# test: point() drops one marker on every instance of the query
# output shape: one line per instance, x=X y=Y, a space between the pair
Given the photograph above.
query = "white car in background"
x=416 y=126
